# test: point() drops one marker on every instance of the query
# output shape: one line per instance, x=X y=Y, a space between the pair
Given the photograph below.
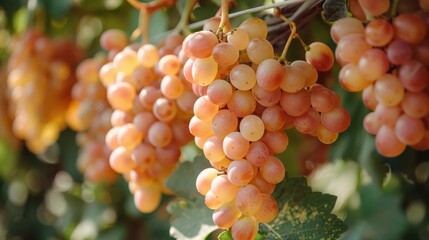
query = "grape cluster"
x=41 y=74
x=152 y=107
x=246 y=99
x=89 y=115
x=387 y=60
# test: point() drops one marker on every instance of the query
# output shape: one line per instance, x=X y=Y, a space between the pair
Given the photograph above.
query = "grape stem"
x=182 y=26
x=291 y=36
x=199 y=24
x=394 y=7
x=146 y=10
x=224 y=24
x=305 y=46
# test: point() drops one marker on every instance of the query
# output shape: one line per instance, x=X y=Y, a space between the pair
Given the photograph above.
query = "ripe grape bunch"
x=247 y=98
x=89 y=115
x=152 y=106
x=41 y=74
x=387 y=59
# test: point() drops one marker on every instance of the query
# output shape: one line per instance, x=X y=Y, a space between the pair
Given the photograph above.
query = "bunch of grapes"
x=152 y=106
x=89 y=115
x=40 y=77
x=246 y=100
x=387 y=59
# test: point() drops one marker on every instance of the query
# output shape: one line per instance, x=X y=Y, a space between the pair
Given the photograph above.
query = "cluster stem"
x=146 y=10
x=291 y=36
x=224 y=25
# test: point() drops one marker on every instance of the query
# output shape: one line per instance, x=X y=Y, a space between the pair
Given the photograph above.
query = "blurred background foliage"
x=46 y=197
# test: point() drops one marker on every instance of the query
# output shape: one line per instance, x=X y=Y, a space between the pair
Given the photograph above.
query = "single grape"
x=240 y=172
x=320 y=56
x=223 y=188
x=235 y=146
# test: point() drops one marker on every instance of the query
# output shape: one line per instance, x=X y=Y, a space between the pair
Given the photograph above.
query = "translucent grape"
x=143 y=155
x=200 y=128
x=258 y=153
x=414 y=76
x=268 y=211
x=223 y=123
x=225 y=54
x=169 y=64
x=266 y=98
x=387 y=143
x=204 y=71
x=160 y=134
x=273 y=171
x=248 y=199
x=220 y=91
x=245 y=228
x=352 y=54
x=409 y=28
x=415 y=104
x=240 y=172
x=276 y=142
x=373 y=63
x=389 y=90
x=375 y=8
x=129 y=136
x=204 y=109
x=235 y=146
x=399 y=52
x=409 y=130
x=379 y=32
x=225 y=216
x=147 y=198
x=121 y=95
x=346 y=26
x=200 y=44
x=320 y=56
x=322 y=99
x=120 y=160
x=388 y=115
x=274 y=118
x=213 y=149
x=164 y=109
x=296 y=104
x=308 y=122
x=252 y=128
x=269 y=74
x=255 y=28
x=308 y=70
x=242 y=103
x=148 y=55
x=293 y=79
x=259 y=50
x=223 y=188
x=336 y=120
x=239 y=38
x=243 y=77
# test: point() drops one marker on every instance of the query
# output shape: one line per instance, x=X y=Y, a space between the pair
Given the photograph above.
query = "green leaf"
x=225 y=235
x=8 y=159
x=303 y=214
x=380 y=216
x=334 y=10
x=190 y=219
x=182 y=182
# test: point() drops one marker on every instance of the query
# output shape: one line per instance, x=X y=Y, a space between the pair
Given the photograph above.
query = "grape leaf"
x=190 y=219
x=303 y=214
x=334 y=10
x=380 y=215
x=225 y=235
x=182 y=181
